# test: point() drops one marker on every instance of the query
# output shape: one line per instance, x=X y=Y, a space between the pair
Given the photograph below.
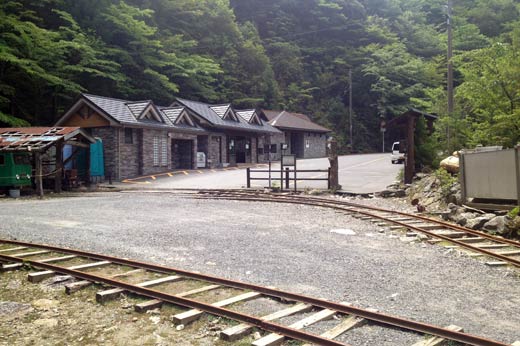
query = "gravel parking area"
x=297 y=248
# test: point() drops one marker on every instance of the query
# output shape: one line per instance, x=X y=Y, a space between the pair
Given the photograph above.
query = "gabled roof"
x=137 y=108
x=249 y=115
x=132 y=113
x=210 y=113
x=293 y=121
x=176 y=115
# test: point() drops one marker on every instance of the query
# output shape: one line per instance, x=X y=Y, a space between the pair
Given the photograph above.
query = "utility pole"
x=450 y=71
x=350 y=107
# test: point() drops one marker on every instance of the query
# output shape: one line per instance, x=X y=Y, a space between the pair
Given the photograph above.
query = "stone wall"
x=149 y=167
x=216 y=150
x=129 y=154
x=109 y=137
x=317 y=145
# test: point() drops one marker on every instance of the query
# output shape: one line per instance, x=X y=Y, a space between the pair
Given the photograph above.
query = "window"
x=21 y=159
x=273 y=148
x=156 y=151
x=164 y=151
x=2 y=160
x=129 y=136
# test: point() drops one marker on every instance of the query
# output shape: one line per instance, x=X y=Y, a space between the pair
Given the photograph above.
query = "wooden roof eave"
x=83 y=100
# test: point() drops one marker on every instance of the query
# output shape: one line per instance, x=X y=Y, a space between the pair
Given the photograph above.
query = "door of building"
x=182 y=153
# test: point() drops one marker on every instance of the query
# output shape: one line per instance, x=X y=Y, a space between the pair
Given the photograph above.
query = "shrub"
x=446 y=181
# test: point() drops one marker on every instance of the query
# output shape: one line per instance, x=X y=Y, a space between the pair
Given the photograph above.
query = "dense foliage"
x=291 y=54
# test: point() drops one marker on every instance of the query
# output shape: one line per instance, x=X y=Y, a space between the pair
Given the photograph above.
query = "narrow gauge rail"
x=504 y=251
x=12 y=258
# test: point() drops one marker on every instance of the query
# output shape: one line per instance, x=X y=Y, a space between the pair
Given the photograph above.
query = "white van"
x=397 y=156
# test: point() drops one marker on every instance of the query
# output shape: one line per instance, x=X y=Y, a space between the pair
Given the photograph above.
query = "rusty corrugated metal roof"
x=36 y=138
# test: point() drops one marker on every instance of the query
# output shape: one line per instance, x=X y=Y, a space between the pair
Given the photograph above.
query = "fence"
x=285 y=176
x=492 y=175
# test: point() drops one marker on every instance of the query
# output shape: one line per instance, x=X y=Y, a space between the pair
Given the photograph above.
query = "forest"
x=274 y=54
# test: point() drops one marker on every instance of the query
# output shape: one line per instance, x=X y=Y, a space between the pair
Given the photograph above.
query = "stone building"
x=141 y=138
x=304 y=138
x=234 y=136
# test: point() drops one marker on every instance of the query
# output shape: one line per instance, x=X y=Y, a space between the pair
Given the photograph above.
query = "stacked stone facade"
x=314 y=145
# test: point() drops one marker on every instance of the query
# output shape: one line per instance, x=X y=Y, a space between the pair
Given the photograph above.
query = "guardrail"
x=285 y=176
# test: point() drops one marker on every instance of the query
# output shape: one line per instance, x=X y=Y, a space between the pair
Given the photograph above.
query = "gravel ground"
x=287 y=246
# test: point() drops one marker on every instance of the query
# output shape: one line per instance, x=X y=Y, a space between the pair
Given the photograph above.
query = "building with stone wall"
x=141 y=138
x=303 y=138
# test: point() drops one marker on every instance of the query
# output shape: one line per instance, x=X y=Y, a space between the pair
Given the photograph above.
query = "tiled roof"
x=207 y=112
x=293 y=121
x=127 y=112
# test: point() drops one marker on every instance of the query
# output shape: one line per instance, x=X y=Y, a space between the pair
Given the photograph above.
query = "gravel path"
x=290 y=247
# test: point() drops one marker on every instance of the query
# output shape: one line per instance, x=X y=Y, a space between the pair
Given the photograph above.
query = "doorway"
x=182 y=153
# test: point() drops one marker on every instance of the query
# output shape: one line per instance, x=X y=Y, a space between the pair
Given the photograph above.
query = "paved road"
x=357 y=173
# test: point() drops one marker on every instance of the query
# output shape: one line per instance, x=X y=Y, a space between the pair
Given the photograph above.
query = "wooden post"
x=410 y=152
x=281 y=172
x=334 y=166
x=287 y=178
x=248 y=174
x=39 y=173
x=58 y=175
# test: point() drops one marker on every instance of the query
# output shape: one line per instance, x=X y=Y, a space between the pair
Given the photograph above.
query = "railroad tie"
x=13 y=266
x=273 y=339
x=32 y=253
x=193 y=314
x=435 y=340
x=155 y=303
x=76 y=286
x=239 y=331
x=13 y=249
x=40 y=276
x=106 y=295
x=346 y=325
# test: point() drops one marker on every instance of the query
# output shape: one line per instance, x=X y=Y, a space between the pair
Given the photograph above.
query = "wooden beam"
x=76 y=286
x=78 y=144
x=39 y=174
x=32 y=253
x=14 y=249
x=237 y=332
x=106 y=295
x=192 y=315
x=12 y=266
x=346 y=325
x=155 y=303
x=274 y=339
x=435 y=340
x=59 y=167
x=40 y=276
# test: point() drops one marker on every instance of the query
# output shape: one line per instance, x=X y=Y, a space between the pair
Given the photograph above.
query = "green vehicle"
x=15 y=169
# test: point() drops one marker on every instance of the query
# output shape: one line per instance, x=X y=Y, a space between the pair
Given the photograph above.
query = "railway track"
x=127 y=276
x=496 y=250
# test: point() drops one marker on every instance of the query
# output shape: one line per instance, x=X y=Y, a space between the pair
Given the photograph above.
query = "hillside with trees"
x=283 y=54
